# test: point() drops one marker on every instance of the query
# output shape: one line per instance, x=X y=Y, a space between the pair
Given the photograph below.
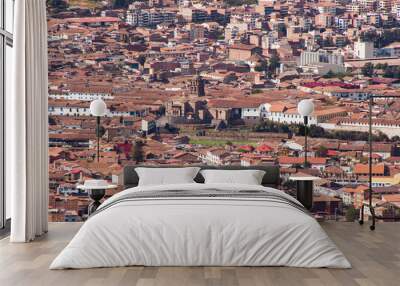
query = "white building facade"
x=364 y=50
x=82 y=96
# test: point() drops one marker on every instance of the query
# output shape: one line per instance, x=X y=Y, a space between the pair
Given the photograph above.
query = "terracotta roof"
x=72 y=136
x=186 y=156
x=236 y=103
x=364 y=169
x=327 y=111
x=55 y=151
x=357 y=189
x=334 y=170
x=300 y=160
x=279 y=107
x=379 y=147
x=219 y=152
x=92 y=20
x=393 y=159
x=242 y=47
x=264 y=148
x=332 y=152
x=351 y=147
x=391 y=198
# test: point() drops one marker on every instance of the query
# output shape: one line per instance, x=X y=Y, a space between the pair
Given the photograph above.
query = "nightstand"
x=96 y=190
x=304 y=189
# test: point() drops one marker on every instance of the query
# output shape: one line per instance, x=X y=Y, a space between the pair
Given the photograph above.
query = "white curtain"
x=27 y=123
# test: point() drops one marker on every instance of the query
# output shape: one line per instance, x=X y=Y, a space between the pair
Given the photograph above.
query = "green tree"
x=57 y=4
x=141 y=59
x=380 y=66
x=256 y=91
x=239 y=2
x=316 y=131
x=368 y=70
x=282 y=29
x=52 y=121
x=329 y=74
x=380 y=137
x=322 y=151
x=118 y=4
x=392 y=72
x=137 y=151
x=274 y=62
x=262 y=67
x=395 y=138
x=351 y=214
x=382 y=39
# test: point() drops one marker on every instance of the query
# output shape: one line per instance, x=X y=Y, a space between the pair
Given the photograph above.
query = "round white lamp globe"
x=98 y=107
x=305 y=107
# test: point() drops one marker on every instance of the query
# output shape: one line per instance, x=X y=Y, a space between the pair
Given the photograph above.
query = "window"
x=6 y=43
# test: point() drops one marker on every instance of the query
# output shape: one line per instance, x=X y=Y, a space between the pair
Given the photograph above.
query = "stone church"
x=191 y=107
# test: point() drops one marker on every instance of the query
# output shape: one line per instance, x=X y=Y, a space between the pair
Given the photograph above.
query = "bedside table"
x=305 y=189
x=96 y=190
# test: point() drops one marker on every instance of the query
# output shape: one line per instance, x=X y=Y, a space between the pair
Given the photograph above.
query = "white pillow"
x=166 y=176
x=248 y=177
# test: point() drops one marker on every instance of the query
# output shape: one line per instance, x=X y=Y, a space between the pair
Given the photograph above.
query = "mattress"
x=201 y=225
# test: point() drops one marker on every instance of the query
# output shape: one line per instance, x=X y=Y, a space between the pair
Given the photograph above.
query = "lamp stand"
x=370 y=150
x=98 y=137
x=305 y=141
x=371 y=208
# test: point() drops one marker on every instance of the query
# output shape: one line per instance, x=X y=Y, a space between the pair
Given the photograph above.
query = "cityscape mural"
x=218 y=83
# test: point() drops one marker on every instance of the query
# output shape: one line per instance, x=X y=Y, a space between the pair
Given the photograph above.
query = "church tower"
x=197 y=86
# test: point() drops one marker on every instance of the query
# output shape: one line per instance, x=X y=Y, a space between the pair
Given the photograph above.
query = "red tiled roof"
x=93 y=20
x=364 y=169
x=264 y=148
x=330 y=84
x=332 y=153
x=246 y=148
x=358 y=189
x=300 y=160
x=242 y=47
x=75 y=171
x=334 y=170
x=391 y=198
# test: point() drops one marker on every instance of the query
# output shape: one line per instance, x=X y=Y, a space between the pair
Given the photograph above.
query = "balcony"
x=375 y=257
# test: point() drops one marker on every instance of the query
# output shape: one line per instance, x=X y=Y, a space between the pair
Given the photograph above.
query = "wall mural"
x=218 y=83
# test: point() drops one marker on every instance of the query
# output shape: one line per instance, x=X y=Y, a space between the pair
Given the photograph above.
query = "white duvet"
x=200 y=231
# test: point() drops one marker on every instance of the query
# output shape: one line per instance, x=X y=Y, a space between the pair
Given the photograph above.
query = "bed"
x=197 y=224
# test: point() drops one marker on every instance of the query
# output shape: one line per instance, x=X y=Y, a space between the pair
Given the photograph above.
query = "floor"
x=375 y=257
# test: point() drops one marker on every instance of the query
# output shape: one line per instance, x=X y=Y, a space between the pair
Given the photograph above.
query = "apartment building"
x=363 y=50
x=149 y=17
x=321 y=56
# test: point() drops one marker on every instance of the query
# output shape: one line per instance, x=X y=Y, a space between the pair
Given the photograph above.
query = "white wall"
x=251 y=112
x=82 y=96
x=81 y=111
x=389 y=131
x=290 y=118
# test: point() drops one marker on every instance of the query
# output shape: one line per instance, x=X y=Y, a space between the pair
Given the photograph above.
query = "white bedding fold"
x=200 y=231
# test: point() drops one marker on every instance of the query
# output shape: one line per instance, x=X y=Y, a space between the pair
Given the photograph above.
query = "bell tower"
x=197 y=86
